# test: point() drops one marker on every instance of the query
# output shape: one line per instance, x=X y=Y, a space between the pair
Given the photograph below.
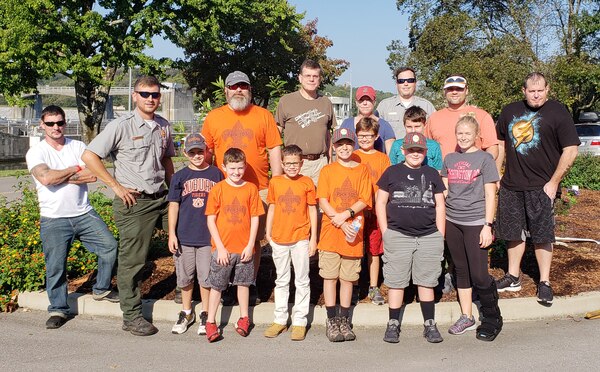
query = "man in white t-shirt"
x=66 y=214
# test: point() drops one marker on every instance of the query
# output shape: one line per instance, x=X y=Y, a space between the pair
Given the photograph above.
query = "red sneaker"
x=242 y=326
x=212 y=332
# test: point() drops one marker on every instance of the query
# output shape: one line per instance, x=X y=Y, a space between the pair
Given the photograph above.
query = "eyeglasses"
x=155 y=95
x=242 y=86
x=409 y=80
x=292 y=164
x=455 y=79
x=60 y=123
x=365 y=136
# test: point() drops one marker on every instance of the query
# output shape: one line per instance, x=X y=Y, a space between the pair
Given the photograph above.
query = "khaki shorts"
x=333 y=266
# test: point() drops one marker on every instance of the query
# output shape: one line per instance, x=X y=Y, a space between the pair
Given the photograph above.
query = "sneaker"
x=139 y=327
x=212 y=332
x=202 y=327
x=177 y=298
x=110 y=296
x=375 y=296
x=392 y=332
x=463 y=324
x=431 y=332
x=346 y=329
x=333 y=330
x=55 y=321
x=183 y=323
x=544 y=293
x=508 y=283
x=275 y=330
x=298 y=333
x=242 y=326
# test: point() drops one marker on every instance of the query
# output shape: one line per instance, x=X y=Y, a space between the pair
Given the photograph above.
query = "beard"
x=239 y=103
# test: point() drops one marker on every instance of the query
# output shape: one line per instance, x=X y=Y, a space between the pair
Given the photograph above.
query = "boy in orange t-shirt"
x=232 y=212
x=292 y=232
x=367 y=131
x=344 y=190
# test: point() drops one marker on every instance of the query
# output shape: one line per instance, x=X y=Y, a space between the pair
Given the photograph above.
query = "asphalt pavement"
x=98 y=344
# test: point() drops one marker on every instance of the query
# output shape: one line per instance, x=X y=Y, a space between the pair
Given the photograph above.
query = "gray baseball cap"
x=237 y=77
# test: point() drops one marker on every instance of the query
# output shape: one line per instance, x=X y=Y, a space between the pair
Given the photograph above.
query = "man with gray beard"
x=252 y=129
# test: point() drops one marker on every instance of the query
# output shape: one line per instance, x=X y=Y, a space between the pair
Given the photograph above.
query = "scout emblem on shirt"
x=524 y=132
x=235 y=212
x=346 y=194
x=237 y=134
x=288 y=200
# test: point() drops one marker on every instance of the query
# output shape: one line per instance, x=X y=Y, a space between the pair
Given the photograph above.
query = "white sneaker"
x=202 y=327
x=183 y=322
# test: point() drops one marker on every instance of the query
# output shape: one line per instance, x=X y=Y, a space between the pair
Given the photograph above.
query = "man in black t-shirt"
x=539 y=140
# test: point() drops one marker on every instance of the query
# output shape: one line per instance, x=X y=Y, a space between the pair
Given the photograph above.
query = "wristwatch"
x=351 y=212
x=488 y=224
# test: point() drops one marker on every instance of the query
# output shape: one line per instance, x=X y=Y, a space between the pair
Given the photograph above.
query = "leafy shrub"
x=22 y=265
x=584 y=173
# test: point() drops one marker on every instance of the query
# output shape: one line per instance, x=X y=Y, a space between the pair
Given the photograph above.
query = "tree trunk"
x=91 y=103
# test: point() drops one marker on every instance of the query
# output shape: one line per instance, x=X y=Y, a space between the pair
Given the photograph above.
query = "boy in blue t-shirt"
x=414 y=121
x=189 y=238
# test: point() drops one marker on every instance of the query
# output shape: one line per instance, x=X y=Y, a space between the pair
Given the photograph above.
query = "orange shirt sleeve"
x=255 y=205
x=488 y=132
x=273 y=137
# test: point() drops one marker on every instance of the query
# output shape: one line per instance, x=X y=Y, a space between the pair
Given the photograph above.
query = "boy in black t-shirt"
x=411 y=211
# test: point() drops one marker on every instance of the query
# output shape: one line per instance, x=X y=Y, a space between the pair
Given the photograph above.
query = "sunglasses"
x=456 y=79
x=242 y=86
x=155 y=95
x=60 y=123
x=409 y=80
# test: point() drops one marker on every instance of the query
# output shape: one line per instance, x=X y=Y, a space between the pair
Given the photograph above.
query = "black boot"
x=491 y=322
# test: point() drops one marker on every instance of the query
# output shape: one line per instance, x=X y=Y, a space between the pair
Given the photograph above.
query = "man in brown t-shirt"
x=305 y=118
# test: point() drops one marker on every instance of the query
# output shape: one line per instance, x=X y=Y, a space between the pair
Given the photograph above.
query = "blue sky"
x=360 y=31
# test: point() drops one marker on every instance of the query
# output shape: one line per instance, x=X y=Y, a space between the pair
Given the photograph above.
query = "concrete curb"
x=364 y=314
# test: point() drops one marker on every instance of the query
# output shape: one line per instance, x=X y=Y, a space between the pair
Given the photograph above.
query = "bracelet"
x=488 y=224
x=78 y=168
x=351 y=212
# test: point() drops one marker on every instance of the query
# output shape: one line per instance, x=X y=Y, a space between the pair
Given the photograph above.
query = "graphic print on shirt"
x=524 y=132
x=461 y=173
x=235 y=211
x=414 y=194
x=307 y=118
x=346 y=194
x=237 y=134
x=288 y=200
x=199 y=189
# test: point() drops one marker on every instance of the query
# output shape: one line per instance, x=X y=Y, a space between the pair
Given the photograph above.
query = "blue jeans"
x=57 y=235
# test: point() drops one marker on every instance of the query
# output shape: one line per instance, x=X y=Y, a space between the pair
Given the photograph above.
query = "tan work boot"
x=298 y=333
x=275 y=330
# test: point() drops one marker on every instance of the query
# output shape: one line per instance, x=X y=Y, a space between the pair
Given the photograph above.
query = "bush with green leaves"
x=22 y=265
x=584 y=173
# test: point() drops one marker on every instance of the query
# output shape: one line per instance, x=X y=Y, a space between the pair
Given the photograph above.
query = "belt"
x=312 y=156
x=157 y=195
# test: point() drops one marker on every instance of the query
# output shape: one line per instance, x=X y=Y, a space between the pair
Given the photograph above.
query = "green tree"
x=85 y=40
x=496 y=43
x=265 y=39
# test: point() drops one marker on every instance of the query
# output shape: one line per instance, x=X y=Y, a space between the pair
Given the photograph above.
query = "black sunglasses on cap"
x=409 y=80
x=155 y=95
x=60 y=123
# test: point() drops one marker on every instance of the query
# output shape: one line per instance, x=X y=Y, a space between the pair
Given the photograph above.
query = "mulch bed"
x=575 y=265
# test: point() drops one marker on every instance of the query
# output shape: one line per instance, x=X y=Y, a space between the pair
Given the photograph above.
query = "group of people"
x=396 y=183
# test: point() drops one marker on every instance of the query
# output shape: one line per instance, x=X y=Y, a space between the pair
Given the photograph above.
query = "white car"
x=588 y=130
